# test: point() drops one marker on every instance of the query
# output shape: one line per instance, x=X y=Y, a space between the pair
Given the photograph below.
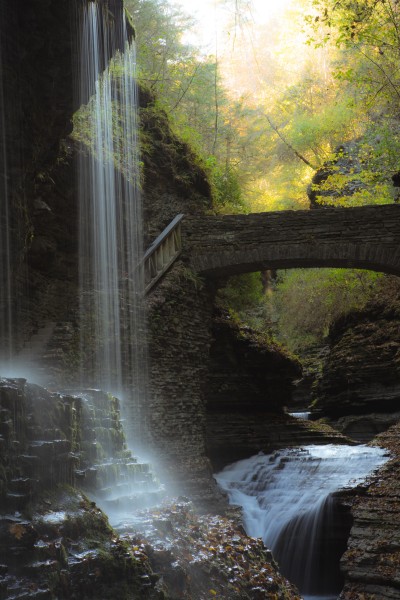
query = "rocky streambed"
x=56 y=543
x=203 y=556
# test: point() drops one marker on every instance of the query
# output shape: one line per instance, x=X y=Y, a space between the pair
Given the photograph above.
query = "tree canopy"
x=269 y=103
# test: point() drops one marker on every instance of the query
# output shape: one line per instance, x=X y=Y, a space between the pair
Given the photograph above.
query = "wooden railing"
x=162 y=253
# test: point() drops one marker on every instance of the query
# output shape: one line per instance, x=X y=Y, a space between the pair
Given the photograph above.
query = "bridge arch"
x=362 y=237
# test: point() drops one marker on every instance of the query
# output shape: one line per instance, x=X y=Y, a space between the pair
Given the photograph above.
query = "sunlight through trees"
x=268 y=94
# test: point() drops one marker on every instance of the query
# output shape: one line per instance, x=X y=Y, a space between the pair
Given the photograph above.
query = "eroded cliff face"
x=179 y=314
x=371 y=561
x=173 y=179
x=54 y=542
x=361 y=375
x=40 y=61
x=39 y=43
x=247 y=389
x=359 y=388
x=57 y=544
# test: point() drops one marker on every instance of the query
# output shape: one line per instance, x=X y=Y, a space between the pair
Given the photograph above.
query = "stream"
x=288 y=500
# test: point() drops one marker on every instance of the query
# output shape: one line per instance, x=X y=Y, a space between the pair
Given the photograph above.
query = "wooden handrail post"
x=162 y=253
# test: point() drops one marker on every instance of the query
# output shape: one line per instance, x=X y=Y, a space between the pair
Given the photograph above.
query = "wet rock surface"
x=56 y=543
x=74 y=438
x=371 y=563
x=179 y=313
x=363 y=428
x=63 y=547
x=198 y=557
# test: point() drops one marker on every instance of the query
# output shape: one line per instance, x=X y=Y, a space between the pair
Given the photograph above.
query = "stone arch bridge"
x=365 y=237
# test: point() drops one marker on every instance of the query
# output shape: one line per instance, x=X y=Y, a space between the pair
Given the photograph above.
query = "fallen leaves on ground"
x=207 y=556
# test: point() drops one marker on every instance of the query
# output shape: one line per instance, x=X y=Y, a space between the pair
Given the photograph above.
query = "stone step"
x=131 y=501
x=18 y=591
x=22 y=485
x=17 y=501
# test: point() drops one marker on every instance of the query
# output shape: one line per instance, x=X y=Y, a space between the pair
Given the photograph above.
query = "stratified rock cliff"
x=249 y=384
x=39 y=63
x=54 y=542
x=372 y=561
x=361 y=374
x=173 y=179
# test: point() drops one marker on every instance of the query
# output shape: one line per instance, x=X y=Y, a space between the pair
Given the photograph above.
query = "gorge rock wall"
x=39 y=64
x=173 y=180
x=360 y=383
x=179 y=314
x=40 y=60
x=248 y=387
x=371 y=561
x=54 y=543
x=249 y=381
x=180 y=308
x=361 y=374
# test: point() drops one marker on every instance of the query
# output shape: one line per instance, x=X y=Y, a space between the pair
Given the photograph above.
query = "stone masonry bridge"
x=365 y=237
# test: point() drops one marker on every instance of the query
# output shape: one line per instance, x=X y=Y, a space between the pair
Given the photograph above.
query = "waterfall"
x=305 y=415
x=113 y=347
x=288 y=501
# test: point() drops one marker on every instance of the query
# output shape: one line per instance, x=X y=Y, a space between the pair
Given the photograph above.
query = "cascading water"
x=288 y=501
x=305 y=415
x=113 y=347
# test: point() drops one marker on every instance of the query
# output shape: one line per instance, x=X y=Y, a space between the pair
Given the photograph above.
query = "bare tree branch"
x=184 y=92
x=289 y=145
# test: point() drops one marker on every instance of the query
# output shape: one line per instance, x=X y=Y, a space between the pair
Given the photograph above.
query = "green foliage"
x=366 y=35
x=241 y=293
x=244 y=299
x=322 y=130
x=227 y=192
x=189 y=89
x=192 y=277
x=368 y=32
x=121 y=149
x=361 y=175
x=281 y=110
x=307 y=301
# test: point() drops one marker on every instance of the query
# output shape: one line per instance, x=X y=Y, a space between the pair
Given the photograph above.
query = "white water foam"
x=287 y=501
x=301 y=415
